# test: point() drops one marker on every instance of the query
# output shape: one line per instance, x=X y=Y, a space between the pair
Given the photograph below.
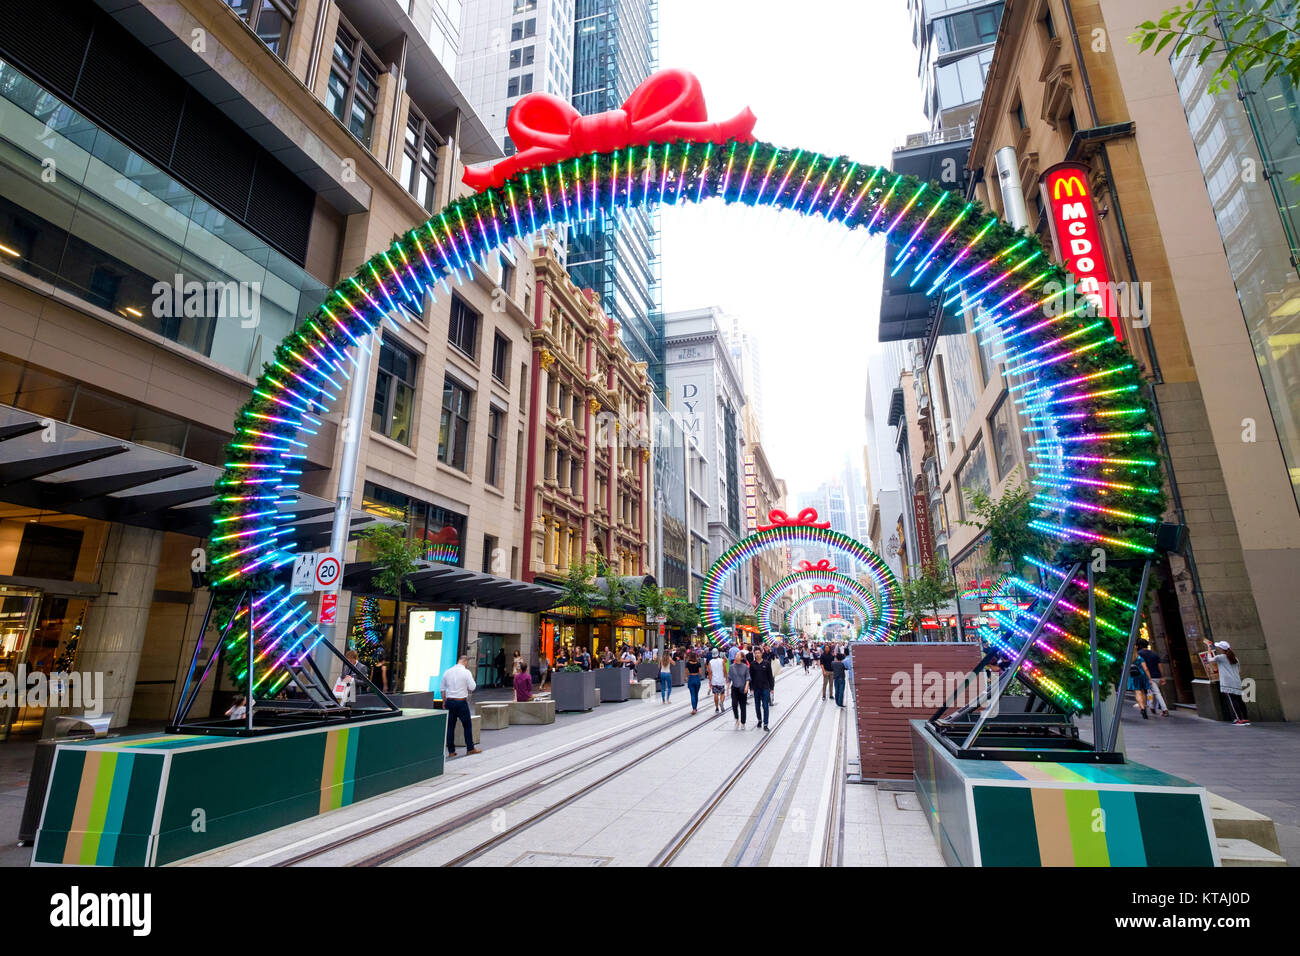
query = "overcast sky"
x=838 y=77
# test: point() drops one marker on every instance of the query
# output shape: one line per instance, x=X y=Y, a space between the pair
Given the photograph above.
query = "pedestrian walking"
x=1229 y=681
x=828 y=676
x=665 y=677
x=499 y=662
x=1152 y=660
x=761 y=680
x=543 y=672
x=1139 y=682
x=694 y=677
x=457 y=685
x=837 y=675
x=739 y=689
x=806 y=655
x=718 y=680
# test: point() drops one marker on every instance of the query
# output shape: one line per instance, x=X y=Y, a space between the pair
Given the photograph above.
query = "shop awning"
x=55 y=466
x=447 y=584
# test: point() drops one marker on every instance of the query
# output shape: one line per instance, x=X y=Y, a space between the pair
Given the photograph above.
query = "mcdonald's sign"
x=1077 y=237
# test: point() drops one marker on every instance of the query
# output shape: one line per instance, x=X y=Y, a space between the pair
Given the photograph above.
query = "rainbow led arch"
x=793 y=533
x=867 y=613
x=850 y=589
x=1095 y=458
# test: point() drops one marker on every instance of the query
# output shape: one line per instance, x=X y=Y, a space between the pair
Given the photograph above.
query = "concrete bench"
x=533 y=711
x=495 y=716
x=476 y=722
x=641 y=690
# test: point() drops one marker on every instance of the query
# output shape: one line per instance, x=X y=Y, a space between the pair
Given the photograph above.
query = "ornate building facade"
x=588 y=451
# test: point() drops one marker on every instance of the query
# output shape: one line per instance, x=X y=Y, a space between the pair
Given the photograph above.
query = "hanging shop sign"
x=925 y=537
x=1077 y=236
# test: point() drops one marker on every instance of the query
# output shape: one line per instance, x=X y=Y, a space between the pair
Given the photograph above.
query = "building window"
x=1002 y=425
x=1049 y=24
x=505 y=273
x=972 y=476
x=420 y=159
x=493 y=471
x=519 y=85
x=271 y=20
x=525 y=6
x=453 y=432
x=500 y=358
x=1021 y=122
x=462 y=329
x=490 y=549
x=523 y=56
x=352 y=94
x=508 y=146
x=394 y=393
x=523 y=29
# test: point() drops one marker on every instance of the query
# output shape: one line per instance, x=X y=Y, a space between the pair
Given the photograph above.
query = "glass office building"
x=614 y=50
x=1246 y=146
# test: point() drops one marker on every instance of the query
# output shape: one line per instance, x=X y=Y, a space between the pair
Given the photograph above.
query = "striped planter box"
x=152 y=800
x=995 y=813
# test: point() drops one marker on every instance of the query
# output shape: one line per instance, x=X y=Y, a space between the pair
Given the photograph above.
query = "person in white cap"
x=1229 y=680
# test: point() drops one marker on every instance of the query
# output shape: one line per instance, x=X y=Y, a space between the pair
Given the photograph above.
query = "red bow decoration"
x=806 y=518
x=822 y=565
x=668 y=106
x=825 y=589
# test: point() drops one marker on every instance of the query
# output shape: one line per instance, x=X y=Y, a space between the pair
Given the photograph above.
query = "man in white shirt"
x=717 y=681
x=457 y=685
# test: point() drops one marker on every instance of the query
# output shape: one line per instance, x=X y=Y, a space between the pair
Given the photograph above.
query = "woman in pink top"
x=523 y=681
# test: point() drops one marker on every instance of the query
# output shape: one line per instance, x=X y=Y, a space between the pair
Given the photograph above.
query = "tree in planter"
x=681 y=613
x=395 y=557
x=578 y=591
x=1004 y=523
x=617 y=594
x=927 y=590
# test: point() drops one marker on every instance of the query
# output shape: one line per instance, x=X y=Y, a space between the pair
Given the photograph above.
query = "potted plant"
x=572 y=688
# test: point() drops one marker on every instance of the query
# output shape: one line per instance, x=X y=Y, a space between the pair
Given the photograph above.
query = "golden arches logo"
x=1070 y=184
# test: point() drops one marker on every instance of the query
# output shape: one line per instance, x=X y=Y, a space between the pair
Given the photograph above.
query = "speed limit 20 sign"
x=329 y=570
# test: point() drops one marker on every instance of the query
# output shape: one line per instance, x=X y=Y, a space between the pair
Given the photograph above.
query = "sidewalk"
x=1257 y=766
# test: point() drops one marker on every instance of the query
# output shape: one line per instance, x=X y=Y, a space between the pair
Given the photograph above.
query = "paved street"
x=777 y=813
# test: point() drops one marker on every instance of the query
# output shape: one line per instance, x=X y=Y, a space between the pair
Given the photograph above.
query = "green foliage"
x=395 y=557
x=1004 y=522
x=927 y=590
x=578 y=590
x=648 y=598
x=1250 y=35
x=682 y=614
x=617 y=594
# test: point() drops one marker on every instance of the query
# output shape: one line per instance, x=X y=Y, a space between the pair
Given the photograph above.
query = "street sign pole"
x=347 y=476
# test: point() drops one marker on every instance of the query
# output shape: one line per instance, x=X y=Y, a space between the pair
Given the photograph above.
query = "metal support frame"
x=317 y=708
x=1112 y=735
x=1005 y=678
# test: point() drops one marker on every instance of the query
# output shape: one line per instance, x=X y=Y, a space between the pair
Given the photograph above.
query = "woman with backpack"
x=1139 y=682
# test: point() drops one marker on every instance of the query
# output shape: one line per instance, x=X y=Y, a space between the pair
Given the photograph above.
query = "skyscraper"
x=510 y=48
x=745 y=355
x=593 y=53
x=614 y=49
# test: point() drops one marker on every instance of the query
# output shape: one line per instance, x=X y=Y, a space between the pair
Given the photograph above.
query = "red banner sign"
x=924 y=535
x=1068 y=200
